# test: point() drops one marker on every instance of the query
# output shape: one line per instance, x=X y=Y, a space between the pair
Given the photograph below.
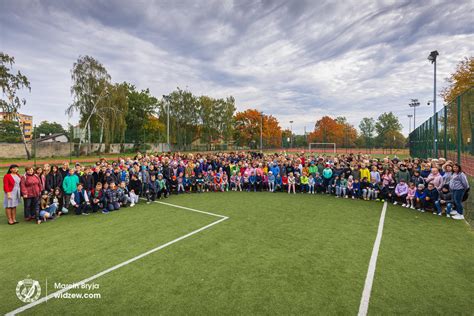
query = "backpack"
x=466 y=195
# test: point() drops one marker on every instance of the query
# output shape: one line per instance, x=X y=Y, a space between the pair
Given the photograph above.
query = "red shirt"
x=8 y=183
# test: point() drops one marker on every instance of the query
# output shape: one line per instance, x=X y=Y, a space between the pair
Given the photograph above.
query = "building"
x=53 y=138
x=26 y=122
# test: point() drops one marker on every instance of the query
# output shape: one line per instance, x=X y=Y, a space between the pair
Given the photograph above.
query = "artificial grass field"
x=276 y=254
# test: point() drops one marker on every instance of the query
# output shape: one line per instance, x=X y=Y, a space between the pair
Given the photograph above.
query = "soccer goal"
x=322 y=148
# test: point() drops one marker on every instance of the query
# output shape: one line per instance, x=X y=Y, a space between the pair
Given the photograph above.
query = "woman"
x=458 y=185
x=54 y=179
x=11 y=187
x=30 y=185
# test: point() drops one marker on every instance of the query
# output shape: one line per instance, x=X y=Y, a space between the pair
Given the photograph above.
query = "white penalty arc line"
x=364 y=302
x=118 y=266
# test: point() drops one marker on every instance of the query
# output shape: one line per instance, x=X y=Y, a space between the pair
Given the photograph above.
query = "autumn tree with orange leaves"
x=247 y=129
x=329 y=130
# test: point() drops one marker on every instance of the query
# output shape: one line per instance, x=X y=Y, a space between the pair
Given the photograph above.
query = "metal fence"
x=455 y=130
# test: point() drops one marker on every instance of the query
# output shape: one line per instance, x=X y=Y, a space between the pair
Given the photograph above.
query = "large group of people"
x=435 y=185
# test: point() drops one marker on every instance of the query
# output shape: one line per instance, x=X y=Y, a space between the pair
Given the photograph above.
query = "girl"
x=304 y=183
x=58 y=199
x=98 y=198
x=238 y=182
x=47 y=210
x=181 y=183
x=458 y=186
x=350 y=187
x=411 y=196
x=291 y=183
x=225 y=183
x=311 y=183
x=271 y=181
x=11 y=187
x=284 y=182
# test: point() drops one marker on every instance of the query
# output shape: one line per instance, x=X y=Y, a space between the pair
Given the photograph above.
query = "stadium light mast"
x=409 y=122
x=261 y=132
x=291 y=134
x=432 y=58
x=414 y=104
x=167 y=121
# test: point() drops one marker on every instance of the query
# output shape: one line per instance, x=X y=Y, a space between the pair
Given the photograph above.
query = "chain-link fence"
x=454 y=128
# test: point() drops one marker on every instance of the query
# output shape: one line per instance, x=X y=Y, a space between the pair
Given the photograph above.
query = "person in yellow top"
x=304 y=183
x=364 y=171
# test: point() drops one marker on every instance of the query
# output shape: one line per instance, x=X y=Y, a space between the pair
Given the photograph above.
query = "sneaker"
x=147 y=202
x=453 y=213
x=422 y=211
x=434 y=213
x=132 y=205
x=448 y=216
x=104 y=211
x=412 y=207
x=85 y=213
x=395 y=203
x=353 y=198
x=404 y=205
x=459 y=216
x=439 y=214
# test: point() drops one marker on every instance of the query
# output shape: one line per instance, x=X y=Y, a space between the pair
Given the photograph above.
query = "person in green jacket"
x=313 y=169
x=402 y=174
x=70 y=183
x=162 y=186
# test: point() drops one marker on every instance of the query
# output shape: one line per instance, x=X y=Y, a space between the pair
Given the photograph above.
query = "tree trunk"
x=28 y=155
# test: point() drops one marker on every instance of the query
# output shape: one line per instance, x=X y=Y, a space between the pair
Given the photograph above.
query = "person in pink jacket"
x=435 y=178
x=401 y=192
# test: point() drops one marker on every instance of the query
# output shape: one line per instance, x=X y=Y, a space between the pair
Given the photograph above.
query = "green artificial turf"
x=276 y=254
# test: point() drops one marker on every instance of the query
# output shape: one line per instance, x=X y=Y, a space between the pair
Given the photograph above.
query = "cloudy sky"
x=297 y=60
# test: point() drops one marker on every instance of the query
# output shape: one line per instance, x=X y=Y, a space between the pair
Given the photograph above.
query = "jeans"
x=50 y=209
x=438 y=206
x=457 y=197
x=32 y=207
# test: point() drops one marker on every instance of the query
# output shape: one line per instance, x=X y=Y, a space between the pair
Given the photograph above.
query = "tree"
x=153 y=130
x=216 y=118
x=90 y=82
x=10 y=132
x=47 y=128
x=112 y=111
x=141 y=106
x=459 y=81
x=329 y=130
x=386 y=126
x=247 y=127
x=367 y=129
x=11 y=84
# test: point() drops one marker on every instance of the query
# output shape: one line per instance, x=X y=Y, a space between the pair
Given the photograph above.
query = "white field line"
x=118 y=266
x=364 y=302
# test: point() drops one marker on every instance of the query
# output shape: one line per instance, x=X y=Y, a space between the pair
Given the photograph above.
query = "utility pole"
x=291 y=134
x=432 y=57
x=261 y=132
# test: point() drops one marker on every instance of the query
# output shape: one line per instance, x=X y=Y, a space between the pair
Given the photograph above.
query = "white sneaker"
x=448 y=216
x=439 y=214
x=412 y=207
x=395 y=203
x=459 y=216
x=453 y=213
x=353 y=198
x=404 y=205
x=132 y=205
x=422 y=211
x=434 y=213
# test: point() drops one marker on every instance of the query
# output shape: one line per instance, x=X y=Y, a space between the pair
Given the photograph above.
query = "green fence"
x=454 y=125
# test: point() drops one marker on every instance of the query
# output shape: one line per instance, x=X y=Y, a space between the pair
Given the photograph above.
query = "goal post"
x=322 y=148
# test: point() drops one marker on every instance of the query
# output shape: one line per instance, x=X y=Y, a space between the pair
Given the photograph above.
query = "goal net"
x=320 y=148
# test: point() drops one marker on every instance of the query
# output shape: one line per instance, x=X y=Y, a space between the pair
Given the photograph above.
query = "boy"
x=446 y=200
x=80 y=200
x=112 y=198
x=420 y=197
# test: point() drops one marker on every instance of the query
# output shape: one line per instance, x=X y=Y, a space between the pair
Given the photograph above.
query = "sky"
x=297 y=60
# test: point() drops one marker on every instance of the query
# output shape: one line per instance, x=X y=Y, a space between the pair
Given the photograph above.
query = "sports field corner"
x=292 y=254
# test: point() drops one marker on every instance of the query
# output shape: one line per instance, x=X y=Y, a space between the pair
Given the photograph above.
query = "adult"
x=11 y=187
x=30 y=185
x=458 y=185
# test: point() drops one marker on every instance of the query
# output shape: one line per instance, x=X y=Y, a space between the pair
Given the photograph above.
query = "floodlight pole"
x=414 y=104
x=432 y=57
x=409 y=122
x=291 y=134
x=261 y=132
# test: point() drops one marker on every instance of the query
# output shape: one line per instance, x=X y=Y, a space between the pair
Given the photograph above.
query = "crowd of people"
x=435 y=185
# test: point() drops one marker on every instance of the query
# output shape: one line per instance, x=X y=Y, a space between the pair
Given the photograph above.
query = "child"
x=410 y=196
x=134 y=187
x=318 y=183
x=181 y=181
x=47 y=210
x=271 y=181
x=432 y=196
x=152 y=189
x=161 y=187
x=225 y=182
x=420 y=197
x=123 y=194
x=356 y=189
x=445 y=199
x=365 y=188
x=238 y=182
x=284 y=182
x=58 y=199
x=233 y=184
x=304 y=183
x=291 y=183
x=80 y=200
x=200 y=183
x=112 y=198
x=350 y=187
x=98 y=199
x=252 y=182
x=401 y=191
x=311 y=183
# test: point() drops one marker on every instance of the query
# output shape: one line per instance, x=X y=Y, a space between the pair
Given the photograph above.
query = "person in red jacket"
x=11 y=187
x=31 y=191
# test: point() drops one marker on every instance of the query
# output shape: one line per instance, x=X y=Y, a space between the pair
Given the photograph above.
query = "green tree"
x=47 y=128
x=90 y=81
x=367 y=129
x=11 y=83
x=9 y=132
x=112 y=111
x=141 y=107
x=387 y=124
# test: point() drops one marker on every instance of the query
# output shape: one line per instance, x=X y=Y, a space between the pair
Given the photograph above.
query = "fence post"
x=459 y=145
x=446 y=132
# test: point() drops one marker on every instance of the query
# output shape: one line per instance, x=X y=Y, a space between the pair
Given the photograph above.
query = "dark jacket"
x=53 y=180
